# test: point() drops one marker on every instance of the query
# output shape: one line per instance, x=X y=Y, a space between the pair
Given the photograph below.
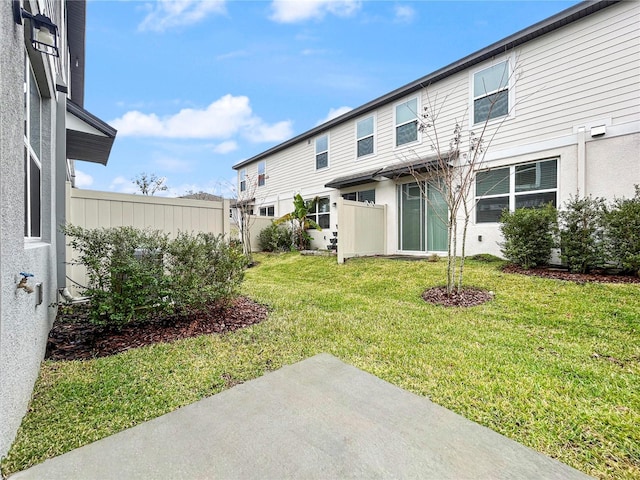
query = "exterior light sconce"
x=44 y=33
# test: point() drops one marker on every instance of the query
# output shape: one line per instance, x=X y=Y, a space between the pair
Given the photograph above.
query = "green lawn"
x=553 y=365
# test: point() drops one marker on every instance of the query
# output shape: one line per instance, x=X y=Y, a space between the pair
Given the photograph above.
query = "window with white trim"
x=242 y=178
x=268 y=211
x=322 y=152
x=365 y=137
x=32 y=152
x=406 y=120
x=530 y=185
x=491 y=92
x=320 y=213
x=262 y=173
x=361 y=196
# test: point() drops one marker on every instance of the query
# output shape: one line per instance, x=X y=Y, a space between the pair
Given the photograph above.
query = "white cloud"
x=404 y=13
x=334 y=113
x=222 y=119
x=123 y=185
x=166 y=14
x=293 y=11
x=225 y=147
x=262 y=132
x=170 y=164
x=83 y=180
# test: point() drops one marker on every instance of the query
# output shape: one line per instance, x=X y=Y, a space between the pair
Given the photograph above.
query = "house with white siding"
x=44 y=128
x=561 y=104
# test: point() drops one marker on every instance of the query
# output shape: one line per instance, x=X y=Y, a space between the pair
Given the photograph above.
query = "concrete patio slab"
x=319 y=418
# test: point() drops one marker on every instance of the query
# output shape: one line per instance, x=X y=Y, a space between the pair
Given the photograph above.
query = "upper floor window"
x=361 y=196
x=322 y=152
x=32 y=153
x=365 y=137
x=529 y=185
x=406 y=117
x=491 y=92
x=242 y=177
x=262 y=173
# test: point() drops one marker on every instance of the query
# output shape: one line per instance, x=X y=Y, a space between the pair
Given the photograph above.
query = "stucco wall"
x=23 y=325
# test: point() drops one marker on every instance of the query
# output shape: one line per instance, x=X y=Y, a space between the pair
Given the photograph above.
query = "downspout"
x=60 y=183
x=581 y=167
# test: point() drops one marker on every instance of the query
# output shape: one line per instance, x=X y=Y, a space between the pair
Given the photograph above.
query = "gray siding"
x=23 y=325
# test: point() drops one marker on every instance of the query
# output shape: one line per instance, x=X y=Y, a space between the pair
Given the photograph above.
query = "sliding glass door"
x=422 y=222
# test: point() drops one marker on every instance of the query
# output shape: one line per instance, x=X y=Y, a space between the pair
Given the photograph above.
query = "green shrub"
x=133 y=273
x=275 y=238
x=582 y=234
x=622 y=223
x=528 y=235
x=204 y=269
x=485 y=257
x=124 y=270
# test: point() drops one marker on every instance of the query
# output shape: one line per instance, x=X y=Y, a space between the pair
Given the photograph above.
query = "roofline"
x=91 y=119
x=536 y=30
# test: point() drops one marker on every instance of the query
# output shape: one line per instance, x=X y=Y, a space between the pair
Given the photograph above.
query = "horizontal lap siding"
x=588 y=70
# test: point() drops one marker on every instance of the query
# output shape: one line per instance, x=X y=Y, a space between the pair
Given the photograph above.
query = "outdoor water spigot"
x=23 y=282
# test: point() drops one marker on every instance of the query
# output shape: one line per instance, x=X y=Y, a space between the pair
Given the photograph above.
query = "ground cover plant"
x=552 y=364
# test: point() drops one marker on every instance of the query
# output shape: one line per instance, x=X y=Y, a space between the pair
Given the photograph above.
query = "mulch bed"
x=561 y=274
x=470 y=297
x=73 y=337
x=467 y=297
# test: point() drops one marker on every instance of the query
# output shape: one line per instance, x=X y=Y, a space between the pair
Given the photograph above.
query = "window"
x=322 y=152
x=529 y=185
x=407 y=122
x=32 y=152
x=365 y=137
x=320 y=212
x=262 y=173
x=362 y=196
x=491 y=92
x=242 y=176
x=267 y=211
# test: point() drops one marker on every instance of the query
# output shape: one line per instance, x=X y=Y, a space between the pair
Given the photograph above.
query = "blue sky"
x=194 y=87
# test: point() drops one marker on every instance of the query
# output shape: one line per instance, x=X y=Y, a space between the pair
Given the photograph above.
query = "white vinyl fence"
x=94 y=209
x=362 y=229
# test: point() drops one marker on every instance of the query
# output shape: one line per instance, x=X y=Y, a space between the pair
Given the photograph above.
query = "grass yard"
x=553 y=365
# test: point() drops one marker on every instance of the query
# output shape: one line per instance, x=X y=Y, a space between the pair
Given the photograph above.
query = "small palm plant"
x=300 y=221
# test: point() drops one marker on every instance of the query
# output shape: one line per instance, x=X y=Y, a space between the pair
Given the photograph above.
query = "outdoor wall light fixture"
x=44 y=33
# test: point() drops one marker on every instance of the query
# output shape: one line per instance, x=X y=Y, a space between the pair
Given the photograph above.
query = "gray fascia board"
x=536 y=30
x=91 y=119
x=76 y=34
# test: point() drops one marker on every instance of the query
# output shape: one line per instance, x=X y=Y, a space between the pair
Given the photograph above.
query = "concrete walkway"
x=319 y=418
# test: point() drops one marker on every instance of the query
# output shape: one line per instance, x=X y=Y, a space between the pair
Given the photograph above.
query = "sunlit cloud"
x=334 y=113
x=225 y=147
x=222 y=119
x=404 y=13
x=121 y=184
x=166 y=14
x=293 y=11
x=83 y=180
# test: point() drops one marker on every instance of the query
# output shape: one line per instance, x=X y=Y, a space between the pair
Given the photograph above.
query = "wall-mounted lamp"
x=44 y=33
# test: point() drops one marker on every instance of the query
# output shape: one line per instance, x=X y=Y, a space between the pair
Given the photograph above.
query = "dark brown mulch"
x=467 y=297
x=561 y=274
x=73 y=337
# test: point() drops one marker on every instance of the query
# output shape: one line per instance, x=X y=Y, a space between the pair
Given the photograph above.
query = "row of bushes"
x=135 y=273
x=281 y=238
x=590 y=234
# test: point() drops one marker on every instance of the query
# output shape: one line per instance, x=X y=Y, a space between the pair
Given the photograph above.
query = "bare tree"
x=149 y=184
x=243 y=210
x=451 y=170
